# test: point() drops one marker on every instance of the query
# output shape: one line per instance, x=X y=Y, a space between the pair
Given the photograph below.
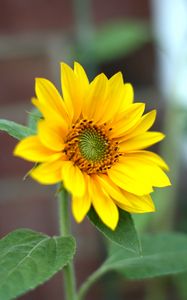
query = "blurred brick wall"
x=26 y=203
x=33 y=15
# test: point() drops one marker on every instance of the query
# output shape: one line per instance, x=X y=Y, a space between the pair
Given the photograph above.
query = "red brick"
x=112 y=10
x=10 y=165
x=17 y=77
x=28 y=16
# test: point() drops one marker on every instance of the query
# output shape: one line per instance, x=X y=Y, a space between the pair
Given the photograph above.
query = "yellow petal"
x=81 y=78
x=115 y=96
x=143 y=169
x=117 y=101
x=32 y=149
x=125 y=178
x=50 y=101
x=81 y=205
x=137 y=204
x=125 y=200
x=73 y=178
x=48 y=172
x=79 y=89
x=104 y=206
x=75 y=85
x=144 y=124
x=95 y=99
x=69 y=89
x=124 y=91
x=127 y=119
x=113 y=190
x=141 y=141
x=128 y=96
x=148 y=155
x=49 y=114
x=116 y=82
x=51 y=136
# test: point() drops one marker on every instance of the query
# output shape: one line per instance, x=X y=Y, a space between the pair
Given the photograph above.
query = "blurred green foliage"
x=116 y=39
x=33 y=118
x=162 y=254
x=15 y=130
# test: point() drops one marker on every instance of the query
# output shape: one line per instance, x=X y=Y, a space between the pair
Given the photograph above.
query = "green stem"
x=89 y=282
x=65 y=229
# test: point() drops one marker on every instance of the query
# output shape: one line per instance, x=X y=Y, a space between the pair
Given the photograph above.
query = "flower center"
x=90 y=148
x=92 y=145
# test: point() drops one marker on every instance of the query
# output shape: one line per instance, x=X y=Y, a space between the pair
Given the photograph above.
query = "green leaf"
x=162 y=254
x=118 y=39
x=34 y=117
x=125 y=233
x=15 y=130
x=28 y=258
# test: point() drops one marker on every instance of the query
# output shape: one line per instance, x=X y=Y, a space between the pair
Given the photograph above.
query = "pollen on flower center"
x=90 y=147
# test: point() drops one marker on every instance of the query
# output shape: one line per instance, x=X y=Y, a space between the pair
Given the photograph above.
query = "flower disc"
x=92 y=145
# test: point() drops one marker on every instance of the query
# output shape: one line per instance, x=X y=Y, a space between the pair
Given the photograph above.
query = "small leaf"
x=33 y=118
x=162 y=254
x=125 y=233
x=15 y=130
x=28 y=258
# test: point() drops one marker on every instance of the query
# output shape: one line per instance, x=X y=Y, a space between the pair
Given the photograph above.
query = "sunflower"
x=92 y=139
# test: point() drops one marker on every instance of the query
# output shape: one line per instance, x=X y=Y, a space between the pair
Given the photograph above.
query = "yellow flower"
x=92 y=140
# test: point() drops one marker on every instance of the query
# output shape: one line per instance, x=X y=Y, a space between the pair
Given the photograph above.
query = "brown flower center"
x=90 y=147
